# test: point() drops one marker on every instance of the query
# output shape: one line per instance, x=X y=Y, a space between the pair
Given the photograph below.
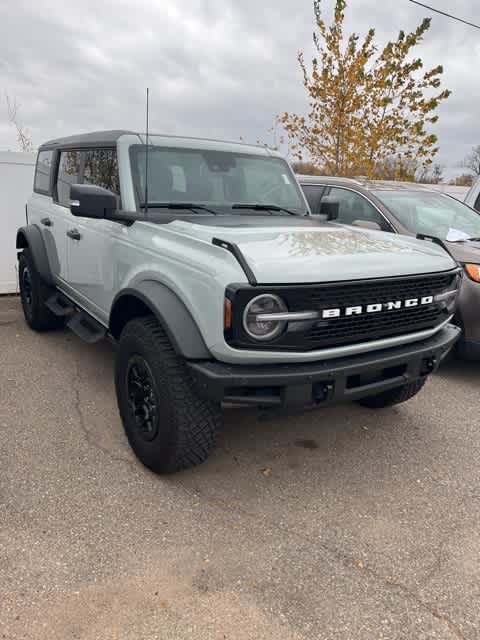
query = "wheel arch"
x=151 y=297
x=30 y=237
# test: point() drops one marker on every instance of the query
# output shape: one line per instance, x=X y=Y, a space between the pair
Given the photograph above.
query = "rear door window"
x=43 y=172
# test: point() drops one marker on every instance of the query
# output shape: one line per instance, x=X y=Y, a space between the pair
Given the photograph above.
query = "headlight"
x=447 y=299
x=259 y=327
x=473 y=271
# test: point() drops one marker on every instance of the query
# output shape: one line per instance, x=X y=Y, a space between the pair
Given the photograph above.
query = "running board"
x=59 y=305
x=86 y=328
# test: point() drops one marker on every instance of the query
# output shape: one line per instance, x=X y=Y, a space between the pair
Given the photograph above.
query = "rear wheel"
x=393 y=396
x=33 y=295
x=168 y=425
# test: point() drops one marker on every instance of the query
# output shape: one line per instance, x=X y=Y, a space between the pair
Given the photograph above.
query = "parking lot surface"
x=343 y=523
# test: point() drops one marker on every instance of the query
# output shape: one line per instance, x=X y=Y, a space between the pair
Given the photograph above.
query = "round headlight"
x=261 y=329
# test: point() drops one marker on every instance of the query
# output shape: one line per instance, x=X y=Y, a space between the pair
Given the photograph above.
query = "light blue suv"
x=201 y=261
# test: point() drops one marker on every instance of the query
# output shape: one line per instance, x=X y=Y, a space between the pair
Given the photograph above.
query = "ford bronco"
x=201 y=261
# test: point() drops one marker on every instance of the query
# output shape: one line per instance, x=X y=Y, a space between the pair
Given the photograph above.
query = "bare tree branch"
x=23 y=136
x=472 y=161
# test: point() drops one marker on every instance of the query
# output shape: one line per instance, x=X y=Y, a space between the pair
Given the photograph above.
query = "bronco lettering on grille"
x=375 y=307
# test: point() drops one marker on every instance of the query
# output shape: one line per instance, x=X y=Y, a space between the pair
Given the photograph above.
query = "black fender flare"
x=30 y=237
x=171 y=313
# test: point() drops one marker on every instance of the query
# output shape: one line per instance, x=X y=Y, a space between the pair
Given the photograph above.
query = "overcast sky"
x=215 y=68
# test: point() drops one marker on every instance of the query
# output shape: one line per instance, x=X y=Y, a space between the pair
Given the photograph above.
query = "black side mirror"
x=90 y=201
x=329 y=208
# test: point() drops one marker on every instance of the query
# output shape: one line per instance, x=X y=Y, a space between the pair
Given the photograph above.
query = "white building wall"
x=16 y=182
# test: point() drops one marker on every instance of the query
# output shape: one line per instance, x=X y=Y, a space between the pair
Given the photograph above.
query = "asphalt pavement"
x=345 y=523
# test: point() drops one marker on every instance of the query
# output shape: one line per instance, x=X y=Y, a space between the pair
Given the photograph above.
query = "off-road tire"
x=393 y=396
x=184 y=430
x=33 y=296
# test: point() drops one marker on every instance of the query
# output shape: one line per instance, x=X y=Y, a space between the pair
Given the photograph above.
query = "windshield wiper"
x=178 y=205
x=263 y=207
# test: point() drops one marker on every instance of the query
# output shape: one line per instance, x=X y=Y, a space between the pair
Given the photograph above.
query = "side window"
x=313 y=193
x=43 y=172
x=353 y=206
x=477 y=203
x=101 y=169
x=68 y=174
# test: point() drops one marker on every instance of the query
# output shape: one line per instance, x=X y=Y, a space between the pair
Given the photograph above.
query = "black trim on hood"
x=234 y=249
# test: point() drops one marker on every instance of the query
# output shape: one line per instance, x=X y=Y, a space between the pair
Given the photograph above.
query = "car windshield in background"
x=216 y=179
x=432 y=214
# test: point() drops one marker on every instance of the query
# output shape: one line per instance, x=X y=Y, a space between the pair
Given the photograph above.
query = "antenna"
x=146 y=162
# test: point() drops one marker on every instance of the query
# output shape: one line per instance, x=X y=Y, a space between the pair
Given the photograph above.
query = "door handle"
x=74 y=234
x=46 y=222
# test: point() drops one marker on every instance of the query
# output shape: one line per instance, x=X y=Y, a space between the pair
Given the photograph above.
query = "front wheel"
x=393 y=396
x=168 y=426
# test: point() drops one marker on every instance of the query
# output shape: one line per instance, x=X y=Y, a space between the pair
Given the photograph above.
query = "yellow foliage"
x=366 y=105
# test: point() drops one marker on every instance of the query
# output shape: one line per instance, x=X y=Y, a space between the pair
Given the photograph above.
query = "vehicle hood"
x=465 y=251
x=294 y=253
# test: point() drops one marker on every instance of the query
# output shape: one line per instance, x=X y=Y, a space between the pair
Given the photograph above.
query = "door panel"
x=56 y=239
x=91 y=271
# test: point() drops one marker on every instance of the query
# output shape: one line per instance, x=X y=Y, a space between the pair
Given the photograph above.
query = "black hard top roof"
x=98 y=138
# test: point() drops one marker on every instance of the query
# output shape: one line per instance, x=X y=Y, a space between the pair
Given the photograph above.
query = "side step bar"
x=59 y=305
x=86 y=327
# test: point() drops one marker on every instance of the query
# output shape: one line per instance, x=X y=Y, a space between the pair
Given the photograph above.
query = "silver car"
x=473 y=196
x=412 y=209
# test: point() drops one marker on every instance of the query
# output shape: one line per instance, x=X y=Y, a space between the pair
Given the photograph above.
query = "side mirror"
x=329 y=208
x=90 y=201
x=367 y=224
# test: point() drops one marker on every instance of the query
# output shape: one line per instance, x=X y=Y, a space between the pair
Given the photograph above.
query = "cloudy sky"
x=215 y=68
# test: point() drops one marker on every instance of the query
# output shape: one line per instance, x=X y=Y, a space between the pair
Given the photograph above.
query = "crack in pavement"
x=76 y=381
x=348 y=561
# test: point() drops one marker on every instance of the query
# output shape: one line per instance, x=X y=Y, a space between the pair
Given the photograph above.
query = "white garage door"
x=16 y=182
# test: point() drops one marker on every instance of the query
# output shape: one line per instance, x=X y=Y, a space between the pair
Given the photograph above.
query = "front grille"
x=364 y=292
x=372 y=326
x=345 y=330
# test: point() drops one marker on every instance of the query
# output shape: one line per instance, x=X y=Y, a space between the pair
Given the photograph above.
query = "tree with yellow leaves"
x=367 y=106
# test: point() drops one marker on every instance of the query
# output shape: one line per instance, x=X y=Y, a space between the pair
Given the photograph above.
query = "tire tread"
x=196 y=420
x=392 y=397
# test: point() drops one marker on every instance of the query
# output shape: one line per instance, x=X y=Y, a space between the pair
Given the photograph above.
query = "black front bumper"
x=322 y=383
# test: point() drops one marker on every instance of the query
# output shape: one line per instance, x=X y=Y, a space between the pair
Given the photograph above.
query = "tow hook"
x=428 y=366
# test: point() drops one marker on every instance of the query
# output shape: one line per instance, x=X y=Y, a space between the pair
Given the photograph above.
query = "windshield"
x=433 y=214
x=217 y=179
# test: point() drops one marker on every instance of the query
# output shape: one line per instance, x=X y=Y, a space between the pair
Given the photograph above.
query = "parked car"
x=200 y=260
x=412 y=209
x=473 y=196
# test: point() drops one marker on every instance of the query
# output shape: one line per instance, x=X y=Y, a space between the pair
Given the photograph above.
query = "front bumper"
x=322 y=383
